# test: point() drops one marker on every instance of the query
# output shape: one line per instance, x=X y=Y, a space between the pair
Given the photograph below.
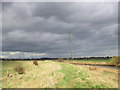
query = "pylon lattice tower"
x=69 y=46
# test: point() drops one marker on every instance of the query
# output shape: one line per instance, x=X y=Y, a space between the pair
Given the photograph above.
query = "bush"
x=115 y=60
x=20 y=69
x=60 y=59
x=35 y=63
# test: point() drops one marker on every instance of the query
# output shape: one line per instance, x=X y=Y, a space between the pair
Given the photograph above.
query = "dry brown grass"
x=98 y=75
x=60 y=59
x=115 y=60
x=20 y=69
x=45 y=75
x=35 y=63
x=48 y=75
x=92 y=68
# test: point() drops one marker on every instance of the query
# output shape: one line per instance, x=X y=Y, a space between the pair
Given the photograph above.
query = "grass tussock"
x=58 y=75
x=19 y=69
x=115 y=60
x=35 y=63
x=60 y=59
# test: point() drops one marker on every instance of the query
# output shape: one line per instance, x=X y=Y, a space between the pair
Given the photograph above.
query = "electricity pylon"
x=69 y=46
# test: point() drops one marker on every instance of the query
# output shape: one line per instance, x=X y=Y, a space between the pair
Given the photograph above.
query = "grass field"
x=50 y=74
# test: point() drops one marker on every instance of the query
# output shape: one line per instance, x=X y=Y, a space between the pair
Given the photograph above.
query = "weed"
x=35 y=63
x=115 y=60
x=20 y=69
x=60 y=59
x=99 y=86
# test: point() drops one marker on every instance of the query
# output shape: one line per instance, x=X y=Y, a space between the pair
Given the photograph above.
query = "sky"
x=41 y=29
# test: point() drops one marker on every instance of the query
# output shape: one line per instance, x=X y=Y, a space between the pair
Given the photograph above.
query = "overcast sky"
x=43 y=28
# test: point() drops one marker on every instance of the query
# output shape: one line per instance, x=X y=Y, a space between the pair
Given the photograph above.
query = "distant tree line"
x=80 y=58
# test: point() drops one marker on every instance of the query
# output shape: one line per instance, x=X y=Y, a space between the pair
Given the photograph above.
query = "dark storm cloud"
x=43 y=27
x=0 y=28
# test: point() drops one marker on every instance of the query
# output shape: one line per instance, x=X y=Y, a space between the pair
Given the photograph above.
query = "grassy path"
x=50 y=74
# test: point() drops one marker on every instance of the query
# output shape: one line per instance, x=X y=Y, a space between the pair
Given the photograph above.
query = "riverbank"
x=50 y=74
x=90 y=63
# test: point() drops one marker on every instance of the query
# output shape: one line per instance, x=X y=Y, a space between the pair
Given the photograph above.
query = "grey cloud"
x=43 y=27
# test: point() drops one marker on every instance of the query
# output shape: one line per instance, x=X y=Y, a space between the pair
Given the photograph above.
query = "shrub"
x=35 y=63
x=20 y=69
x=115 y=60
x=60 y=59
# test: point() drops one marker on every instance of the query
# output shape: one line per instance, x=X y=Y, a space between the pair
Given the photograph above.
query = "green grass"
x=64 y=75
x=72 y=74
x=9 y=66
